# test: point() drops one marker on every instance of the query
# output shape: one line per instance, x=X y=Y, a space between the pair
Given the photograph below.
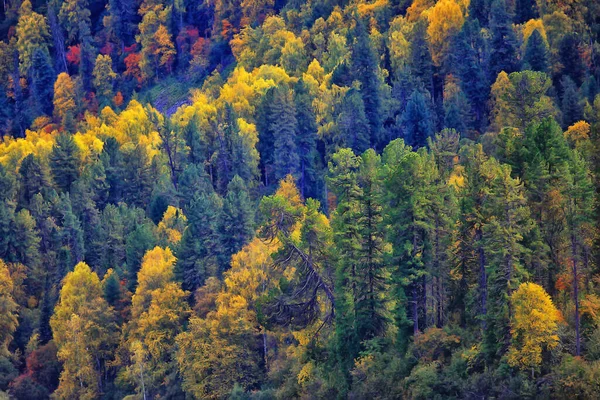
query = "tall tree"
x=503 y=53
x=536 y=53
x=64 y=162
x=85 y=334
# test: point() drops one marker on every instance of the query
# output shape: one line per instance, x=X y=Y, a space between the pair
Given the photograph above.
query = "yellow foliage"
x=532 y=25
x=172 y=225
x=534 y=325
x=445 y=20
x=578 y=132
x=8 y=309
x=156 y=271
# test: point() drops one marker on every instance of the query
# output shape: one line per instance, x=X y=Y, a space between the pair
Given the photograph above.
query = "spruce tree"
x=570 y=103
x=365 y=69
x=200 y=247
x=420 y=62
x=42 y=81
x=503 y=46
x=416 y=120
x=536 y=53
x=283 y=127
x=306 y=142
x=236 y=225
x=64 y=162
x=352 y=127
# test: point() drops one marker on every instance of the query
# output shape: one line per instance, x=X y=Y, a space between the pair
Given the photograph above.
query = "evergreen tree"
x=570 y=103
x=503 y=46
x=365 y=69
x=352 y=128
x=536 y=53
x=236 y=225
x=284 y=127
x=42 y=80
x=200 y=248
x=64 y=162
x=420 y=62
x=306 y=142
x=570 y=58
x=416 y=120
x=33 y=179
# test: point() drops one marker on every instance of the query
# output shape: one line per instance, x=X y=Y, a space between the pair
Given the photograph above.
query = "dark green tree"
x=64 y=162
x=570 y=102
x=503 y=45
x=536 y=53
x=283 y=127
x=306 y=142
x=42 y=81
x=416 y=120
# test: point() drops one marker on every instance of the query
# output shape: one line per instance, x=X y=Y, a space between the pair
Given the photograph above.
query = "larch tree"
x=64 y=100
x=104 y=78
x=32 y=35
x=85 y=334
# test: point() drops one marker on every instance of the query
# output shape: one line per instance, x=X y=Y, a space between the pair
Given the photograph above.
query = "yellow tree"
x=445 y=20
x=534 y=326
x=32 y=34
x=226 y=346
x=8 y=309
x=159 y=312
x=104 y=77
x=84 y=332
x=64 y=97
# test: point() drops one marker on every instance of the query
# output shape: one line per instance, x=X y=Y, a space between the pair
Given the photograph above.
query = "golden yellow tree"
x=32 y=34
x=534 y=326
x=64 y=97
x=445 y=20
x=85 y=334
x=159 y=313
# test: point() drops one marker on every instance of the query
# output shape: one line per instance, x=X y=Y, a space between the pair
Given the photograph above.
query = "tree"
x=534 y=326
x=536 y=53
x=352 y=128
x=306 y=142
x=32 y=35
x=503 y=55
x=8 y=310
x=285 y=154
x=570 y=103
x=42 y=79
x=64 y=99
x=73 y=14
x=236 y=225
x=104 y=77
x=416 y=120
x=158 y=313
x=85 y=334
x=64 y=162
x=200 y=248
x=445 y=21
x=365 y=69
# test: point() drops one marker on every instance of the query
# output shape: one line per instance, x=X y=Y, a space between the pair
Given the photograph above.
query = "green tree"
x=536 y=53
x=104 y=78
x=64 y=162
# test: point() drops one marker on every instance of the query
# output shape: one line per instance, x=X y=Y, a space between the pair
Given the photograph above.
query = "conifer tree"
x=42 y=77
x=284 y=127
x=503 y=54
x=236 y=225
x=536 y=53
x=200 y=248
x=352 y=128
x=64 y=162
x=570 y=103
x=416 y=120
x=306 y=142
x=365 y=69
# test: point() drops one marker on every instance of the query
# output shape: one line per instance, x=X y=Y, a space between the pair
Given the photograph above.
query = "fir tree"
x=283 y=127
x=570 y=103
x=306 y=142
x=416 y=120
x=365 y=69
x=536 y=53
x=64 y=162
x=42 y=81
x=503 y=53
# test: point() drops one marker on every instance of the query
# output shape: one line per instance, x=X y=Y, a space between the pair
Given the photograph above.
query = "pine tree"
x=503 y=53
x=365 y=69
x=536 y=53
x=200 y=248
x=64 y=162
x=352 y=128
x=33 y=178
x=416 y=120
x=306 y=142
x=284 y=126
x=420 y=62
x=236 y=225
x=42 y=77
x=570 y=103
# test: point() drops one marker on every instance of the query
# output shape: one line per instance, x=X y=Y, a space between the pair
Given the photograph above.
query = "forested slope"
x=271 y=199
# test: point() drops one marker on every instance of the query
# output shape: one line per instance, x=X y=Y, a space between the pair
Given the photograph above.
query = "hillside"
x=273 y=199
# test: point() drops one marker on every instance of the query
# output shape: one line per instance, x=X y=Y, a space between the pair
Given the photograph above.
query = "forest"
x=286 y=199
